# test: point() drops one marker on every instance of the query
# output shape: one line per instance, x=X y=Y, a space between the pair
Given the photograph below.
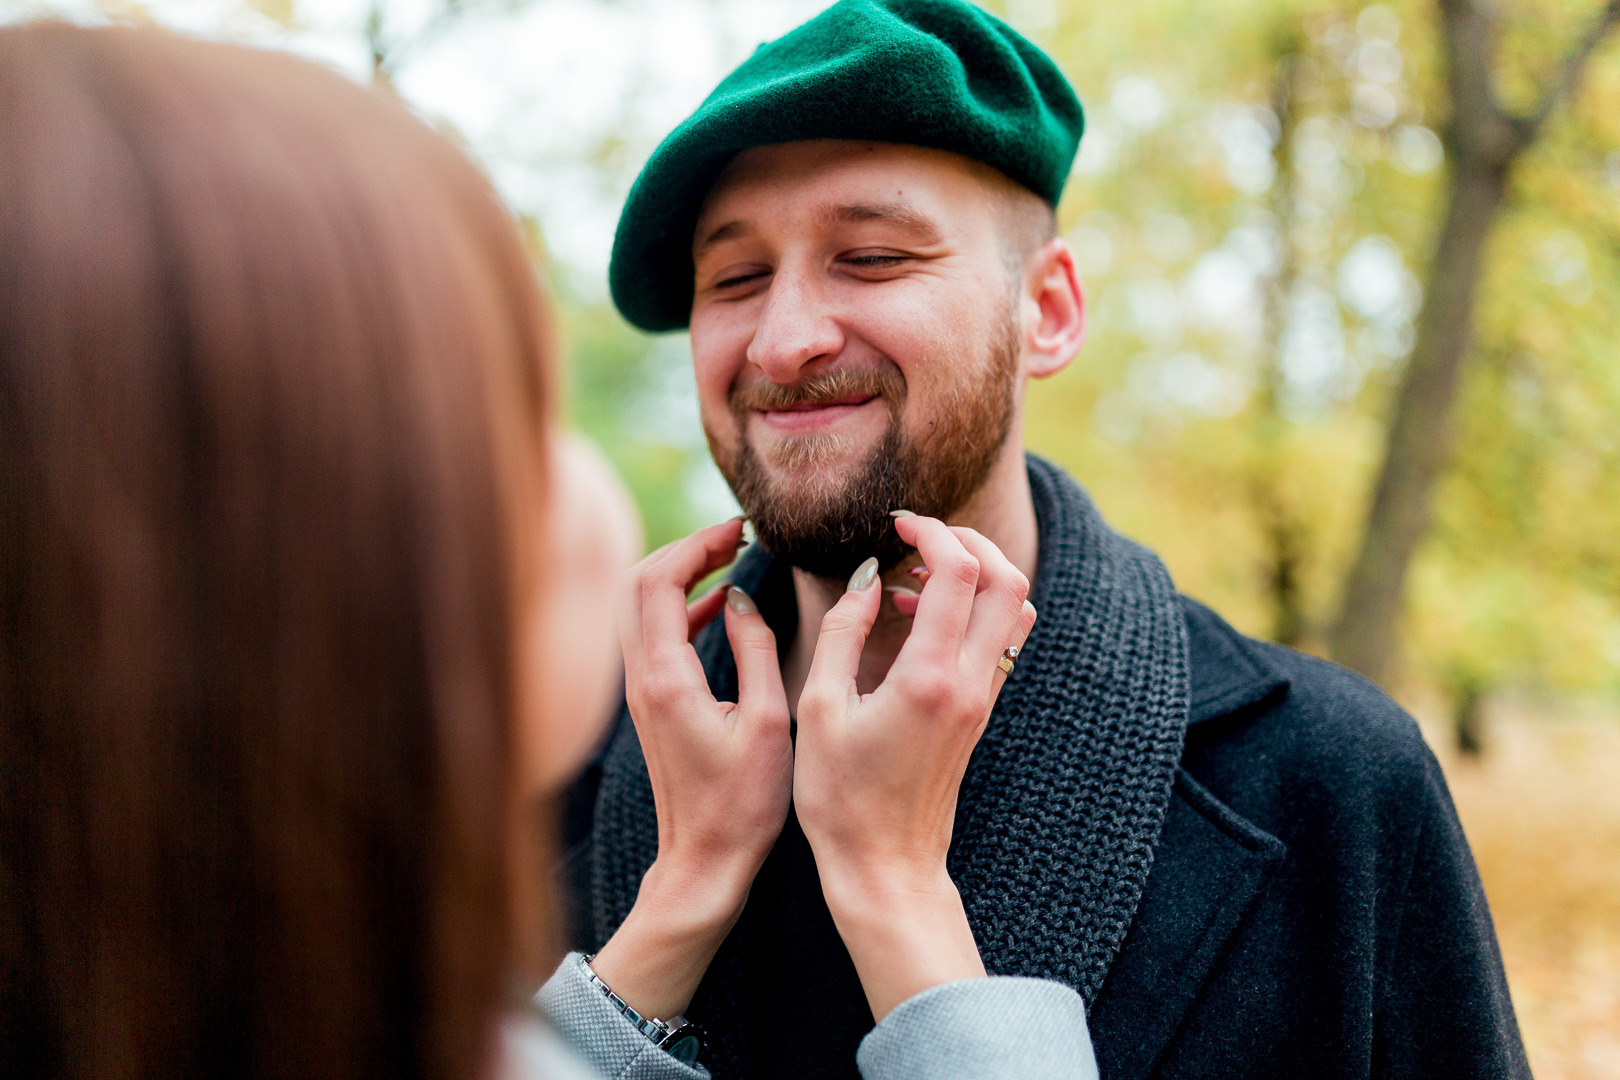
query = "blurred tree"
x=1258 y=193
x=1484 y=142
x=634 y=398
x=394 y=36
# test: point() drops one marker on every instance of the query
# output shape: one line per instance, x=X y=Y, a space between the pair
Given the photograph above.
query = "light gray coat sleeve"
x=998 y=1028
x=601 y=1034
x=531 y=1049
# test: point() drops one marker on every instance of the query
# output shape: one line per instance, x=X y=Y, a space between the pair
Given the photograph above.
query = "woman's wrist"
x=659 y=955
x=905 y=928
x=697 y=896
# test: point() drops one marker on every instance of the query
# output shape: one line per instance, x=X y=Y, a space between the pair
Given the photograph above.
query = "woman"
x=274 y=385
x=294 y=626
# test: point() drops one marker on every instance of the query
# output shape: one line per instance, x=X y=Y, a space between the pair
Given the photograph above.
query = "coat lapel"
x=1209 y=866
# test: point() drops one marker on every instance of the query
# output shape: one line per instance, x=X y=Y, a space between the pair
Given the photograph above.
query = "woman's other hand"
x=877 y=775
x=722 y=773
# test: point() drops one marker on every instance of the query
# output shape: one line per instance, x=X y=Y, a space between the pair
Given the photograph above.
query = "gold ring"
x=1008 y=655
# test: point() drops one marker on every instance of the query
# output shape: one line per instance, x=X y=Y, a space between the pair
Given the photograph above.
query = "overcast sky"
x=533 y=86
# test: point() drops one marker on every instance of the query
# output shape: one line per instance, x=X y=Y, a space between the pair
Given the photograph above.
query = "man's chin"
x=811 y=485
x=836 y=564
x=826 y=531
x=822 y=505
x=811 y=460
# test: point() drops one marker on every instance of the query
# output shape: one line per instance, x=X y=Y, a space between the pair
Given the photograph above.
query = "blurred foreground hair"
x=273 y=384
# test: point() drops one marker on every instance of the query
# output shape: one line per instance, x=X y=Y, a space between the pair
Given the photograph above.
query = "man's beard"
x=831 y=521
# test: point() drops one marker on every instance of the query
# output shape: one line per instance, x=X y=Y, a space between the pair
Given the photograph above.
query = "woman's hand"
x=877 y=775
x=722 y=773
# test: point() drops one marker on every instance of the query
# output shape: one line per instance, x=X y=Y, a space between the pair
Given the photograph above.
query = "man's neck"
x=1002 y=510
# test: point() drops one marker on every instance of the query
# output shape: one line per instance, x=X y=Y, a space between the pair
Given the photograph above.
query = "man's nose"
x=795 y=328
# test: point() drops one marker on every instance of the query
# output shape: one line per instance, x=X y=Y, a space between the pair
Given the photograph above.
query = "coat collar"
x=1209 y=866
x=1229 y=673
x=1065 y=795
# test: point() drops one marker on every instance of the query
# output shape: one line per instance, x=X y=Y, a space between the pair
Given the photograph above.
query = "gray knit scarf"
x=1063 y=800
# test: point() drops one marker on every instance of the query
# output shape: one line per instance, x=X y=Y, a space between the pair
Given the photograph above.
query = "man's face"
x=856 y=341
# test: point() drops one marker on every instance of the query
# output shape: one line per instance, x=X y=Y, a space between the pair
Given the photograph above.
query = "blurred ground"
x=1542 y=811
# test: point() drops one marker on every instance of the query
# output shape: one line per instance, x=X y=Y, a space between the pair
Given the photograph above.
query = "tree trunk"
x=1469 y=717
x=1288 y=625
x=1420 y=432
x=1483 y=142
x=1284 y=536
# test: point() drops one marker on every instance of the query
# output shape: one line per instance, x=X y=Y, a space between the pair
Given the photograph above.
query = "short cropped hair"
x=1026 y=223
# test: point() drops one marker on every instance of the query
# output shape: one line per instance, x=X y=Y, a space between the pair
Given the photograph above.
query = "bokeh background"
x=1280 y=343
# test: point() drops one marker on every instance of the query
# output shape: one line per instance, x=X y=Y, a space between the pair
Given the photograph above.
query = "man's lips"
x=847 y=399
x=815 y=415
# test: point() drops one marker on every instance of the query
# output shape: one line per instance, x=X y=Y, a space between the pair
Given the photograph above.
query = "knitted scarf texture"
x=1063 y=800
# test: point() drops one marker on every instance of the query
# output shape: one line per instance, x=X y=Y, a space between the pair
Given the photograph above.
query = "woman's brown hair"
x=272 y=385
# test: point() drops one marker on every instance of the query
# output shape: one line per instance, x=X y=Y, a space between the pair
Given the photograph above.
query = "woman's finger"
x=630 y=621
x=837 y=659
x=760 y=697
x=630 y=640
x=946 y=601
x=701 y=612
x=904 y=600
x=664 y=583
x=1002 y=591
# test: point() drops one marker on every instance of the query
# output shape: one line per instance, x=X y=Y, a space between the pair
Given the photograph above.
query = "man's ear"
x=1059 y=328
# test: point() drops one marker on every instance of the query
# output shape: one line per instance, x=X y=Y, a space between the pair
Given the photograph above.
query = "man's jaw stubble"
x=834 y=518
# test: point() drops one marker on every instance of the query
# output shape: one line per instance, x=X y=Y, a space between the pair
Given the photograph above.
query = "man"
x=1244 y=860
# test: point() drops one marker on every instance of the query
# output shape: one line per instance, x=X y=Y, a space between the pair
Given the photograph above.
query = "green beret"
x=938 y=73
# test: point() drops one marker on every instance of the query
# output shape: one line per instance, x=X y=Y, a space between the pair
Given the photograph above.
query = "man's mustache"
x=823 y=388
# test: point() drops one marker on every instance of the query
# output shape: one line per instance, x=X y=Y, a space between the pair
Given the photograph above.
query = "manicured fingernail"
x=900 y=590
x=865 y=574
x=918 y=571
x=901 y=513
x=740 y=602
x=739 y=517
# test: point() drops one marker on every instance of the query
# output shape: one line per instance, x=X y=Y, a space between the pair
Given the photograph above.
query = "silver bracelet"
x=679 y=1037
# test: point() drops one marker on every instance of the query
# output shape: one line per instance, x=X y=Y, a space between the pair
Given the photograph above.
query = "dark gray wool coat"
x=1245 y=859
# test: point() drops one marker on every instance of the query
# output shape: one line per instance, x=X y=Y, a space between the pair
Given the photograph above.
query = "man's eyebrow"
x=899 y=215
x=733 y=228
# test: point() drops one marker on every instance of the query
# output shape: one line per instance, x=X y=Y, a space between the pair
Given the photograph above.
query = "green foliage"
x=631 y=394
x=1253 y=212
x=1523 y=581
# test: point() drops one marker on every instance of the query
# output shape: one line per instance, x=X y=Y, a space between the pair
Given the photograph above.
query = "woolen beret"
x=937 y=73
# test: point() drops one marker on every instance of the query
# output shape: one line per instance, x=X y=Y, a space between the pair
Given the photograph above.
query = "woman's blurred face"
x=571 y=648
